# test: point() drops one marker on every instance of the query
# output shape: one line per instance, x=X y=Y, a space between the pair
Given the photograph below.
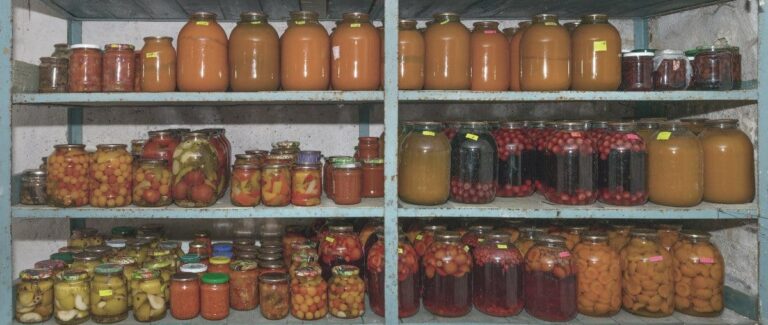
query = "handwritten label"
x=664 y=135
x=428 y=133
x=564 y=254
x=400 y=251
x=330 y=239
x=201 y=23
x=105 y=293
x=354 y=25
x=150 y=55
x=706 y=260
x=466 y=248
x=299 y=22
x=501 y=246
x=472 y=137
x=419 y=237
x=657 y=258
x=600 y=46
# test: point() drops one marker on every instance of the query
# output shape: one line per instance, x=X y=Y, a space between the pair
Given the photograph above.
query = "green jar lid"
x=219 y=260
x=190 y=258
x=215 y=278
x=73 y=275
x=124 y=231
x=66 y=257
x=145 y=274
x=108 y=268
x=341 y=159
x=375 y=161
x=692 y=52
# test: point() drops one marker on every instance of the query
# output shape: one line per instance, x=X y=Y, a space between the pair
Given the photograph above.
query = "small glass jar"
x=637 y=70
x=713 y=70
x=346 y=292
x=571 y=163
x=84 y=70
x=219 y=264
x=671 y=70
x=137 y=249
x=67 y=181
x=328 y=172
x=618 y=236
x=373 y=178
x=340 y=247
x=109 y=294
x=86 y=261
x=129 y=265
x=53 y=75
x=33 y=191
x=549 y=280
x=185 y=295
x=729 y=164
x=111 y=176
x=309 y=294
x=85 y=237
x=203 y=237
x=158 y=65
x=276 y=185
x=699 y=275
x=151 y=184
x=675 y=167
x=118 y=68
x=476 y=235
x=474 y=164
x=245 y=190
x=425 y=165
x=214 y=296
x=274 y=296
x=148 y=294
x=621 y=166
x=347 y=183
x=71 y=296
x=307 y=184
x=196 y=177
x=599 y=276
x=647 y=276
x=34 y=296
x=516 y=160
x=447 y=276
x=497 y=283
x=243 y=285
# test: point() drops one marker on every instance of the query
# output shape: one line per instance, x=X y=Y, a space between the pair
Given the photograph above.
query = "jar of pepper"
x=151 y=184
x=53 y=75
x=245 y=190
x=307 y=185
x=373 y=178
x=276 y=185
x=185 y=295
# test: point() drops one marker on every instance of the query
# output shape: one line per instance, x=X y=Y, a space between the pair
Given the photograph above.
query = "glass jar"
x=85 y=237
x=729 y=164
x=111 y=176
x=549 y=281
x=489 y=57
x=571 y=234
x=514 y=55
x=373 y=178
x=214 y=296
x=309 y=294
x=637 y=70
x=195 y=176
x=328 y=172
x=347 y=183
x=713 y=70
x=408 y=277
x=447 y=53
x=618 y=236
x=346 y=292
x=340 y=247
x=668 y=234
x=305 y=53
x=367 y=148
x=516 y=160
x=646 y=130
x=647 y=282
x=307 y=185
x=151 y=184
x=302 y=258
x=571 y=164
x=599 y=276
x=245 y=188
x=67 y=181
x=243 y=285
x=475 y=235
x=137 y=249
x=425 y=165
x=675 y=167
x=223 y=157
x=219 y=264
x=294 y=236
x=621 y=166
x=185 y=295
x=86 y=261
x=356 y=49
x=596 y=50
x=201 y=64
x=274 y=296
x=34 y=296
x=671 y=70
x=33 y=191
x=474 y=164
x=276 y=266
x=194 y=267
x=148 y=294
x=699 y=270
x=64 y=257
x=84 y=70
x=410 y=56
x=71 y=297
x=123 y=232
x=497 y=276
x=540 y=132
x=158 y=65
x=276 y=185
x=160 y=145
x=53 y=75
x=545 y=55
x=129 y=265
x=254 y=57
x=118 y=68
x=109 y=294
x=425 y=237
x=447 y=272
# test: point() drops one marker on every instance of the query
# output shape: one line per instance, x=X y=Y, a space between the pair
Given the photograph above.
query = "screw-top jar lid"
x=108 y=268
x=594 y=235
x=722 y=123
x=407 y=24
x=184 y=277
x=447 y=235
x=69 y=146
x=118 y=46
x=640 y=53
x=355 y=15
x=87 y=256
x=645 y=232
x=169 y=244
x=85 y=46
x=545 y=18
x=74 y=275
x=53 y=265
x=509 y=125
x=34 y=173
x=189 y=258
x=145 y=274
x=308 y=271
x=111 y=146
x=122 y=260
x=273 y=277
x=243 y=265
x=71 y=249
x=222 y=247
x=695 y=234
x=550 y=239
x=346 y=165
x=101 y=249
x=270 y=250
x=35 y=274
x=219 y=260
x=374 y=161
x=486 y=24
x=270 y=257
x=246 y=248
x=193 y=268
x=215 y=278
x=237 y=243
x=345 y=270
x=594 y=19
x=497 y=236
x=64 y=257
x=443 y=16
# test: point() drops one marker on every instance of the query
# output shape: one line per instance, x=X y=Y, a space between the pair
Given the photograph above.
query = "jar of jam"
x=254 y=54
x=621 y=166
x=307 y=185
x=185 y=295
x=599 y=276
x=549 y=281
x=447 y=53
x=347 y=183
x=202 y=57
x=447 y=272
x=53 y=75
x=408 y=277
x=699 y=270
x=489 y=57
x=346 y=292
x=618 y=236
x=274 y=295
x=84 y=70
x=305 y=53
x=151 y=184
x=596 y=50
x=671 y=70
x=111 y=176
x=474 y=164
x=340 y=247
x=214 y=296
x=373 y=178
x=356 y=49
x=729 y=165
x=646 y=129
x=67 y=181
x=34 y=296
x=71 y=295
x=118 y=67
x=668 y=234
x=713 y=70
x=545 y=55
x=148 y=295
x=243 y=285
x=497 y=276
x=158 y=65
x=516 y=160
x=514 y=55
x=245 y=188
x=425 y=165
x=410 y=56
x=109 y=298
x=195 y=177
x=276 y=185
x=160 y=145
x=675 y=167
x=571 y=164
x=647 y=283
x=637 y=70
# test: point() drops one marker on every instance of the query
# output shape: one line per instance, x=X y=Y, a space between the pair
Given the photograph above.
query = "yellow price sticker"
x=419 y=237
x=105 y=293
x=256 y=23
x=600 y=46
x=150 y=55
x=202 y=23
x=444 y=22
x=299 y=22
x=329 y=239
x=466 y=248
x=664 y=135
x=354 y=25
x=501 y=246
x=428 y=133
x=472 y=137
x=400 y=251
x=550 y=23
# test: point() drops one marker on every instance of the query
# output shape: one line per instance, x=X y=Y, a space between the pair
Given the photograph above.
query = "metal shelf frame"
x=389 y=207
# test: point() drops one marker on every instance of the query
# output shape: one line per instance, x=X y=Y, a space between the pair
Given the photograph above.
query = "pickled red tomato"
x=151 y=184
x=622 y=168
x=407 y=276
x=571 y=164
x=516 y=160
x=498 y=279
x=447 y=271
x=340 y=249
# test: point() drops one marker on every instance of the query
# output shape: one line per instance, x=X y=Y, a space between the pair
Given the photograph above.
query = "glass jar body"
x=201 y=64
x=545 y=57
x=195 y=176
x=599 y=278
x=254 y=56
x=305 y=56
x=447 y=278
x=356 y=59
x=408 y=277
x=112 y=303
x=340 y=248
x=276 y=185
x=34 y=300
x=643 y=258
x=516 y=162
x=447 y=55
x=243 y=289
x=675 y=168
x=497 y=284
x=474 y=166
x=152 y=185
x=72 y=297
x=245 y=187
x=84 y=70
x=699 y=270
x=53 y=75
x=729 y=168
x=622 y=169
x=214 y=301
x=158 y=65
x=410 y=59
x=111 y=177
x=596 y=50
x=67 y=183
x=307 y=186
x=185 y=299
x=118 y=68
x=275 y=299
x=572 y=169
x=424 y=168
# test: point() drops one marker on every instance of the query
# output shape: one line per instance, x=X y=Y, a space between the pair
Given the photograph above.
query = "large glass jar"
x=340 y=247
x=305 y=53
x=490 y=57
x=109 y=294
x=712 y=69
x=160 y=145
x=545 y=55
x=118 y=68
x=410 y=56
x=346 y=292
x=34 y=296
x=373 y=178
x=71 y=297
x=599 y=276
x=202 y=55
x=53 y=75
x=195 y=177
x=621 y=167
x=84 y=70
x=516 y=160
x=497 y=283
x=245 y=190
x=254 y=54
x=571 y=164
x=425 y=237
x=596 y=51
x=111 y=176
x=67 y=182
x=151 y=184
x=647 y=282
x=447 y=286
x=447 y=53
x=549 y=280
x=148 y=295
x=425 y=165
x=474 y=164
x=347 y=183
x=33 y=191
x=223 y=151
x=356 y=59
x=158 y=64
x=637 y=70
x=274 y=295
x=307 y=185
x=276 y=185
x=540 y=132
x=408 y=277
x=185 y=295
x=699 y=274
x=675 y=167
x=671 y=70
x=309 y=294
x=214 y=296
x=514 y=55
x=729 y=164
x=243 y=285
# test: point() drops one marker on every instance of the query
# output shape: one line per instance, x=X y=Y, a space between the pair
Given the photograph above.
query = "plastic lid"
x=219 y=260
x=308 y=271
x=35 y=274
x=374 y=161
x=184 y=277
x=215 y=278
x=73 y=275
x=108 y=268
x=101 y=249
x=194 y=268
x=243 y=265
x=640 y=52
x=116 y=243
x=190 y=258
x=64 y=257
x=145 y=274
x=87 y=256
x=169 y=244
x=273 y=277
x=85 y=46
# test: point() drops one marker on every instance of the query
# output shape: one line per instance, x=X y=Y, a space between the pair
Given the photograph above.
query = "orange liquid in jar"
x=447 y=63
x=596 y=50
x=729 y=163
x=254 y=58
x=545 y=55
x=202 y=57
x=305 y=53
x=490 y=57
x=514 y=56
x=410 y=56
x=356 y=49
x=158 y=65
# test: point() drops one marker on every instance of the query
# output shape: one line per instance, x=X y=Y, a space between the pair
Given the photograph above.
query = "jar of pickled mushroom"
x=276 y=185
x=514 y=55
x=53 y=75
x=618 y=236
x=447 y=276
x=647 y=282
x=274 y=295
x=86 y=261
x=151 y=184
x=34 y=296
x=408 y=277
x=185 y=295
x=637 y=70
x=426 y=237
x=33 y=191
x=729 y=164
x=571 y=163
x=475 y=235
x=148 y=295
x=646 y=130
x=474 y=164
x=516 y=160
x=713 y=69
x=201 y=64
x=621 y=166
x=195 y=177
x=243 y=285
x=67 y=181
x=599 y=276
x=109 y=294
x=254 y=54
x=160 y=145
x=346 y=292
x=671 y=70
x=245 y=190
x=307 y=185
x=356 y=54
x=596 y=50
x=489 y=57
x=305 y=53
x=340 y=247
x=309 y=294
x=425 y=165
x=497 y=276
x=158 y=65
x=84 y=70
x=214 y=296
x=549 y=281
x=699 y=270
x=111 y=176
x=347 y=183
x=675 y=167
x=118 y=68
x=410 y=56
x=545 y=55
x=447 y=53
x=71 y=295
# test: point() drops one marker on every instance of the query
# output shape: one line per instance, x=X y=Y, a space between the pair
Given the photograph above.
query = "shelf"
x=197 y=99
x=744 y=95
x=536 y=207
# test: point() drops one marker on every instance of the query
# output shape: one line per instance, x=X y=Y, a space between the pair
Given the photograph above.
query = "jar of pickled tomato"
x=274 y=295
x=621 y=166
x=570 y=158
x=34 y=296
x=185 y=295
x=599 y=276
x=545 y=55
x=160 y=145
x=151 y=184
x=356 y=54
x=408 y=277
x=497 y=276
x=347 y=183
x=307 y=185
x=425 y=165
x=410 y=56
x=245 y=190
x=201 y=64
x=474 y=164
x=489 y=57
x=243 y=285
x=305 y=53
x=340 y=247
x=675 y=167
x=118 y=68
x=158 y=65
x=516 y=160
x=223 y=150
x=111 y=176
x=254 y=54
x=84 y=70
x=447 y=53
x=309 y=294
x=647 y=276
x=549 y=281
x=214 y=296
x=346 y=292
x=67 y=181
x=699 y=270
x=425 y=237
x=195 y=176
x=447 y=277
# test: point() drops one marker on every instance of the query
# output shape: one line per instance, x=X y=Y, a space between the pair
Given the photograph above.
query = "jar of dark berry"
x=516 y=160
x=538 y=132
x=476 y=235
x=621 y=166
x=713 y=69
x=596 y=130
x=549 y=280
x=474 y=164
x=637 y=70
x=671 y=70
x=447 y=269
x=571 y=165
x=340 y=246
x=497 y=278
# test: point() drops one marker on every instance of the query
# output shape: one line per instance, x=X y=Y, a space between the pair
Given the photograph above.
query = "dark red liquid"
x=549 y=298
x=496 y=291
x=447 y=295
x=407 y=294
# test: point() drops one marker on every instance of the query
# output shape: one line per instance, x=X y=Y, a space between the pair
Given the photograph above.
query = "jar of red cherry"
x=446 y=282
x=408 y=277
x=596 y=130
x=539 y=132
x=425 y=238
x=571 y=164
x=340 y=247
x=671 y=70
x=498 y=276
x=621 y=166
x=476 y=235
x=516 y=160
x=474 y=164
x=549 y=280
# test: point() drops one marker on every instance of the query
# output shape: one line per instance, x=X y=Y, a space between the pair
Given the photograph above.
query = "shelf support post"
x=6 y=249
x=75 y=114
x=762 y=161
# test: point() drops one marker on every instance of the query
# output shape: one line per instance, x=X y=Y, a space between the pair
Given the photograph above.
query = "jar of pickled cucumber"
x=647 y=281
x=699 y=270
x=109 y=298
x=346 y=292
x=149 y=295
x=34 y=296
x=71 y=294
x=309 y=294
x=599 y=276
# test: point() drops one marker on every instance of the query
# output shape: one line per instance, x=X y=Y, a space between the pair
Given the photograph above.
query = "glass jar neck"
x=725 y=124
x=474 y=127
x=203 y=16
x=355 y=17
x=548 y=244
x=546 y=19
x=594 y=19
x=623 y=127
x=436 y=127
x=572 y=126
x=196 y=137
x=486 y=25
x=303 y=17
x=675 y=127
x=444 y=18
x=407 y=24
x=254 y=18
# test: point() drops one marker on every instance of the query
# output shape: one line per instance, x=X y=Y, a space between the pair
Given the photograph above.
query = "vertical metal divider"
x=762 y=161
x=6 y=255
x=75 y=114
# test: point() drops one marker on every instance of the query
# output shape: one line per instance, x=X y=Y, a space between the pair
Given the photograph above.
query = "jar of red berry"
x=621 y=167
x=451 y=128
x=474 y=164
x=516 y=160
x=407 y=277
x=671 y=70
x=476 y=235
x=497 y=276
x=596 y=130
x=571 y=164
x=340 y=247
x=447 y=272
x=425 y=238
x=550 y=280
x=538 y=132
